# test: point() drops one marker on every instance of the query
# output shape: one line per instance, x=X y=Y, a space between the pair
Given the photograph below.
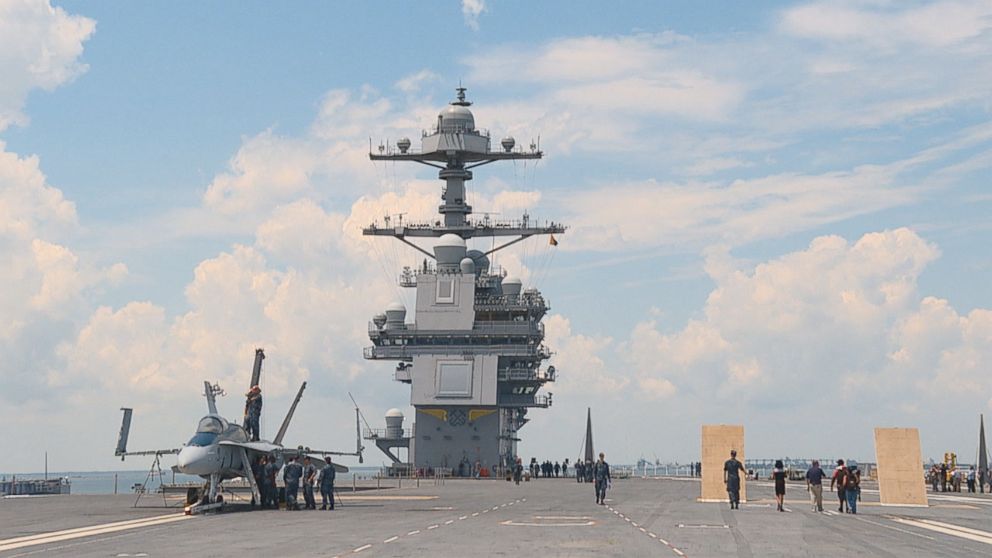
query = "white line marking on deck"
x=69 y=534
x=949 y=529
x=652 y=535
x=411 y=533
x=390 y=539
x=449 y=522
x=915 y=534
x=476 y=514
x=361 y=548
x=462 y=518
x=432 y=527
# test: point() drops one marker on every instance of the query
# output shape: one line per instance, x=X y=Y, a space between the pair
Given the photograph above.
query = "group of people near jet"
x=295 y=476
x=266 y=468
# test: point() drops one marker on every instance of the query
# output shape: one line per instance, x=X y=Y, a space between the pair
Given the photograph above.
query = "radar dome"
x=467 y=266
x=394 y=413
x=379 y=320
x=395 y=316
x=449 y=251
x=511 y=286
x=456 y=118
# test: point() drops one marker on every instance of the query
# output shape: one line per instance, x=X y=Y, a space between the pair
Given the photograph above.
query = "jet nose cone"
x=193 y=461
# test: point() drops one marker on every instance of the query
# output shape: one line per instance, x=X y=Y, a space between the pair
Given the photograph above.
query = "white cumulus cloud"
x=40 y=46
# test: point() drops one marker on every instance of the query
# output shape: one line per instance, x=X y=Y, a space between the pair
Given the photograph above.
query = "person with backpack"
x=852 y=487
x=838 y=479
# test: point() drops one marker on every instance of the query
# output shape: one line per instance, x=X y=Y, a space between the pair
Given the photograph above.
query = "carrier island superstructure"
x=473 y=354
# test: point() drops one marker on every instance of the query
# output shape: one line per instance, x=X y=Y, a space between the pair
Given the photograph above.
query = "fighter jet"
x=221 y=450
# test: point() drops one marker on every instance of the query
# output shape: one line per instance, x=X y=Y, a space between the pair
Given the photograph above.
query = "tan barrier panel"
x=718 y=440
x=900 y=467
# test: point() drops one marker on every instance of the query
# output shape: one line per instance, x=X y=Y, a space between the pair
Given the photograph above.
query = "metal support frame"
x=508 y=244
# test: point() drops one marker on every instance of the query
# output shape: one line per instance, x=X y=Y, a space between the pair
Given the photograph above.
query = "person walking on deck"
x=814 y=484
x=732 y=479
x=601 y=472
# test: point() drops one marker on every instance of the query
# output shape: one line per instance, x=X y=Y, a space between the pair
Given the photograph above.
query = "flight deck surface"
x=544 y=517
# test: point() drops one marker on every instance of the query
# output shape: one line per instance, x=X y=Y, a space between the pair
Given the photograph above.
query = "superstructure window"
x=454 y=379
x=445 y=291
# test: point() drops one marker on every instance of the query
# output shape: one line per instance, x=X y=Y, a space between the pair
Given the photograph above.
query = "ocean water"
x=104 y=482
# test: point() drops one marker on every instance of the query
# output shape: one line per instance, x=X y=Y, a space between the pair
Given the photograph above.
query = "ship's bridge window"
x=445 y=291
x=213 y=425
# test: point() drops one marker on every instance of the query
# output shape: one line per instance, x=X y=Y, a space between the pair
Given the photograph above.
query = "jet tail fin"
x=256 y=369
x=289 y=416
x=121 y=450
x=211 y=392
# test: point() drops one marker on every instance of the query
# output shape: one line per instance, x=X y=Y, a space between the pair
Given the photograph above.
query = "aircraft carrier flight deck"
x=543 y=517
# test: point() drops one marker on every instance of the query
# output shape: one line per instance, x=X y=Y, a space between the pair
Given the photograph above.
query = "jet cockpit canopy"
x=207 y=430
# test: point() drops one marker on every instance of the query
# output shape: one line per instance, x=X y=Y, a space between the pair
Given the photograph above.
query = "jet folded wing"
x=315 y=458
x=269 y=447
x=261 y=447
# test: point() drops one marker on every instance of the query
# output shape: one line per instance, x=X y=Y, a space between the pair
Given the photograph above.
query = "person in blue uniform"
x=258 y=473
x=309 y=476
x=732 y=478
x=601 y=473
x=253 y=412
x=291 y=475
x=270 y=496
x=327 y=475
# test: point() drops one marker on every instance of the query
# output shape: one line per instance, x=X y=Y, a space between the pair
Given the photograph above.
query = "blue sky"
x=779 y=212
